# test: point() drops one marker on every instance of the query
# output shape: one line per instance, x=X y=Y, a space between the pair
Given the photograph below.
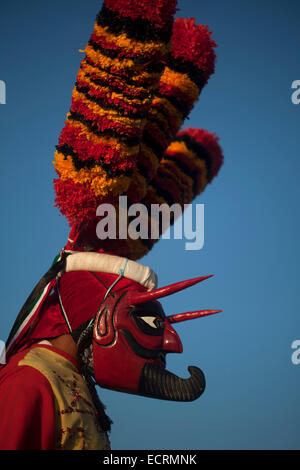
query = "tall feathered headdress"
x=141 y=76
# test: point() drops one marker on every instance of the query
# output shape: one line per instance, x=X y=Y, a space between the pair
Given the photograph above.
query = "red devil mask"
x=131 y=337
x=123 y=334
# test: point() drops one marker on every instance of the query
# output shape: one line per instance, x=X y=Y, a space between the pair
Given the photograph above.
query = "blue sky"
x=251 y=217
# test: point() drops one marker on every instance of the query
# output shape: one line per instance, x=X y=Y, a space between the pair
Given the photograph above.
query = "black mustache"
x=157 y=382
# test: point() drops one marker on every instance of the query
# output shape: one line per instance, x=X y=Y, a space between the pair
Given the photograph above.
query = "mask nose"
x=171 y=340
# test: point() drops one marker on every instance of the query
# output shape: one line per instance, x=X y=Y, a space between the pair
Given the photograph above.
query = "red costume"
x=140 y=77
x=47 y=403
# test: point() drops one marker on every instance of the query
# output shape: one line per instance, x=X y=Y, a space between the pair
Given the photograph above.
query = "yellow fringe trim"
x=184 y=182
x=111 y=141
x=162 y=139
x=181 y=81
x=147 y=154
x=96 y=178
x=161 y=121
x=169 y=108
x=101 y=74
x=113 y=95
x=180 y=147
x=137 y=47
x=120 y=67
x=110 y=114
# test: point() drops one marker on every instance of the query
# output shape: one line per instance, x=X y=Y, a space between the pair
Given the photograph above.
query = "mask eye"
x=154 y=322
x=150 y=324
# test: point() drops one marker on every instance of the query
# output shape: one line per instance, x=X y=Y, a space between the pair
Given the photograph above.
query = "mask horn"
x=191 y=315
x=135 y=298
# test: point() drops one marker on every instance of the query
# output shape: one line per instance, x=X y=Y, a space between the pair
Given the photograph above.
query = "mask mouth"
x=156 y=382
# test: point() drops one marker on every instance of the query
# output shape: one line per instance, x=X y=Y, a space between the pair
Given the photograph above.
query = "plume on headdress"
x=99 y=144
x=140 y=78
x=190 y=63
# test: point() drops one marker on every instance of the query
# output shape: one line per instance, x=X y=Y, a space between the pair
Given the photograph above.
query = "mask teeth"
x=139 y=298
x=191 y=315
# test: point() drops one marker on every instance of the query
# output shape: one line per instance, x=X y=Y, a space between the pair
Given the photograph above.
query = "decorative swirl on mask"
x=104 y=331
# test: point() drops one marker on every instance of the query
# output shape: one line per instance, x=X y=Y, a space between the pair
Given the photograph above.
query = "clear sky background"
x=251 y=217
